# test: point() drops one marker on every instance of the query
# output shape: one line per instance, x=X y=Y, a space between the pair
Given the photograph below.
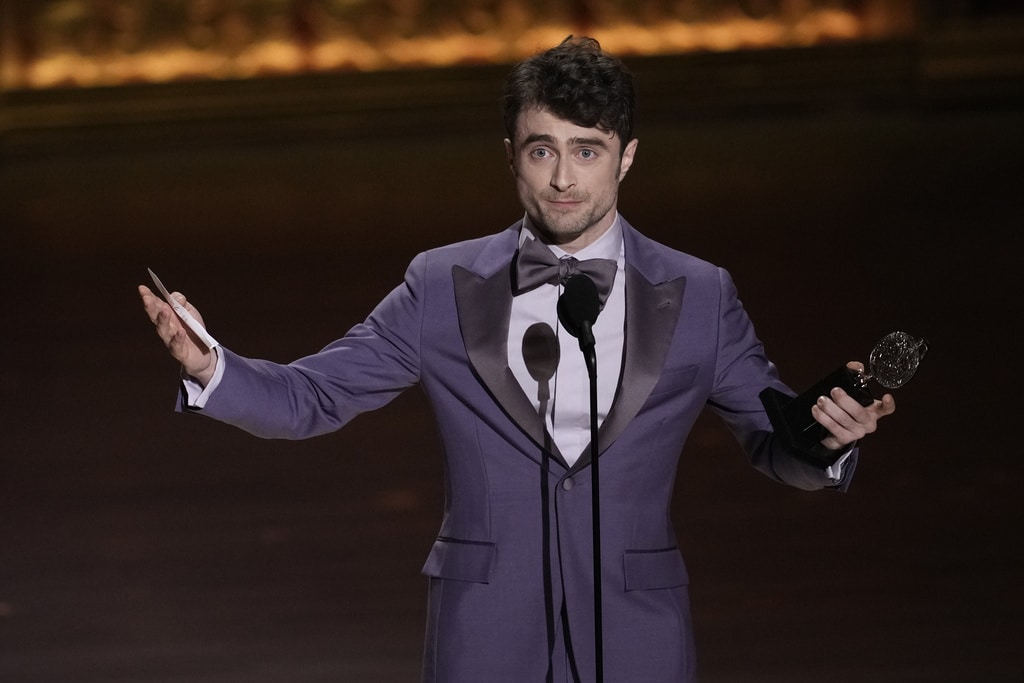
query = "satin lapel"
x=485 y=305
x=652 y=311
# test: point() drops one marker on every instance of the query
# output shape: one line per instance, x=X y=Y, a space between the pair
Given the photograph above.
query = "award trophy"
x=892 y=363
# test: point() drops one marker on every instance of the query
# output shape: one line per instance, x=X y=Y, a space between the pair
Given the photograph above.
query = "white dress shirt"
x=568 y=411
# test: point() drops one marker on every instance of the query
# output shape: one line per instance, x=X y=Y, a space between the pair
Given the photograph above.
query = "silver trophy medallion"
x=894 y=359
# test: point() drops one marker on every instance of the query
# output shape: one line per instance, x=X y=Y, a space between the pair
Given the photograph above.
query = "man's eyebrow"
x=573 y=142
x=538 y=137
x=588 y=142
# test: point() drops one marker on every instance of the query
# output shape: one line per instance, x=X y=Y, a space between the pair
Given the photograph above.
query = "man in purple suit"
x=480 y=327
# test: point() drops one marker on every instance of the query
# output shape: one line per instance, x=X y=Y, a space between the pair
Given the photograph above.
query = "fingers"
x=168 y=327
x=197 y=360
x=155 y=307
x=833 y=413
x=846 y=419
x=886 y=406
x=193 y=311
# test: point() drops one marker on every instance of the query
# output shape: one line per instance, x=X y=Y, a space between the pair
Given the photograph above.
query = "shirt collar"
x=607 y=246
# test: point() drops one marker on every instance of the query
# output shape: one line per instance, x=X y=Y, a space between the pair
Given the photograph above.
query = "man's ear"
x=510 y=156
x=627 y=157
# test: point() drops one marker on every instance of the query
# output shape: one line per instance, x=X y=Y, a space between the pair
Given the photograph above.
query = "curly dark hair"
x=576 y=81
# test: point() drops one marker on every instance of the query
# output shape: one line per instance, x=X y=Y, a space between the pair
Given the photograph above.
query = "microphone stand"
x=588 y=345
x=578 y=308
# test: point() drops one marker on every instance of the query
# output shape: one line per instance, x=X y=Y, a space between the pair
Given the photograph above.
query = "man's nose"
x=563 y=178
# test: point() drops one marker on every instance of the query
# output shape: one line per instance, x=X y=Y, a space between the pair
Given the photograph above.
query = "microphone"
x=541 y=353
x=578 y=308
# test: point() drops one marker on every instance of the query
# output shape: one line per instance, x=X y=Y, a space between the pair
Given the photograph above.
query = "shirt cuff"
x=196 y=395
x=835 y=470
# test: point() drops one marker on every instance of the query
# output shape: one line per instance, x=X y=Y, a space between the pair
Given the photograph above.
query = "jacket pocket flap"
x=650 y=569
x=460 y=560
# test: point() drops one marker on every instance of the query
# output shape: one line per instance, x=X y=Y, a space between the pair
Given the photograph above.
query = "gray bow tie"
x=536 y=265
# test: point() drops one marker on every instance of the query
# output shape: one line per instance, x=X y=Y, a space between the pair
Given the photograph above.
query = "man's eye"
x=587 y=153
x=540 y=152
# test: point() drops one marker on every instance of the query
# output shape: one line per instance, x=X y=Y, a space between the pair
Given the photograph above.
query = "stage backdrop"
x=88 y=43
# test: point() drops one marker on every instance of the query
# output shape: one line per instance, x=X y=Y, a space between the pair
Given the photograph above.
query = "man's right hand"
x=195 y=358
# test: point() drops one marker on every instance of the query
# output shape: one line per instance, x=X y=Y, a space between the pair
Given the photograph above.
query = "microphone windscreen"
x=578 y=304
x=540 y=351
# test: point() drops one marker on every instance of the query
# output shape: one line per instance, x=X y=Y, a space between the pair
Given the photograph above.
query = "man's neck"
x=582 y=241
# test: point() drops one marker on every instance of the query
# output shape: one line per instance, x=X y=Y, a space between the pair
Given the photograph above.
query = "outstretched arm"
x=196 y=359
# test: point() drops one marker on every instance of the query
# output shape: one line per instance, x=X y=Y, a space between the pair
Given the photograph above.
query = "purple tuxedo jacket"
x=511 y=571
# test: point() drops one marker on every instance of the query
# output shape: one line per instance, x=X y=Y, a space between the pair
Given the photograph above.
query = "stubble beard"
x=561 y=227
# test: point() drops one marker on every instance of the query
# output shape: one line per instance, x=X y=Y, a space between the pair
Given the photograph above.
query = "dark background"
x=851 y=191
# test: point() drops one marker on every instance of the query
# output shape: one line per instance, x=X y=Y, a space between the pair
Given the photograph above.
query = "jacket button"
x=568 y=483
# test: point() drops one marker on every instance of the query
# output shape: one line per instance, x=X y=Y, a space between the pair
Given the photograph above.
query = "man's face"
x=567 y=176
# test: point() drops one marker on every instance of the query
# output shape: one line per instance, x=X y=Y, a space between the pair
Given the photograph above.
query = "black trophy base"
x=791 y=416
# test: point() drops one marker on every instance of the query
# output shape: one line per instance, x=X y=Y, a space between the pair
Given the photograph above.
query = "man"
x=512 y=570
